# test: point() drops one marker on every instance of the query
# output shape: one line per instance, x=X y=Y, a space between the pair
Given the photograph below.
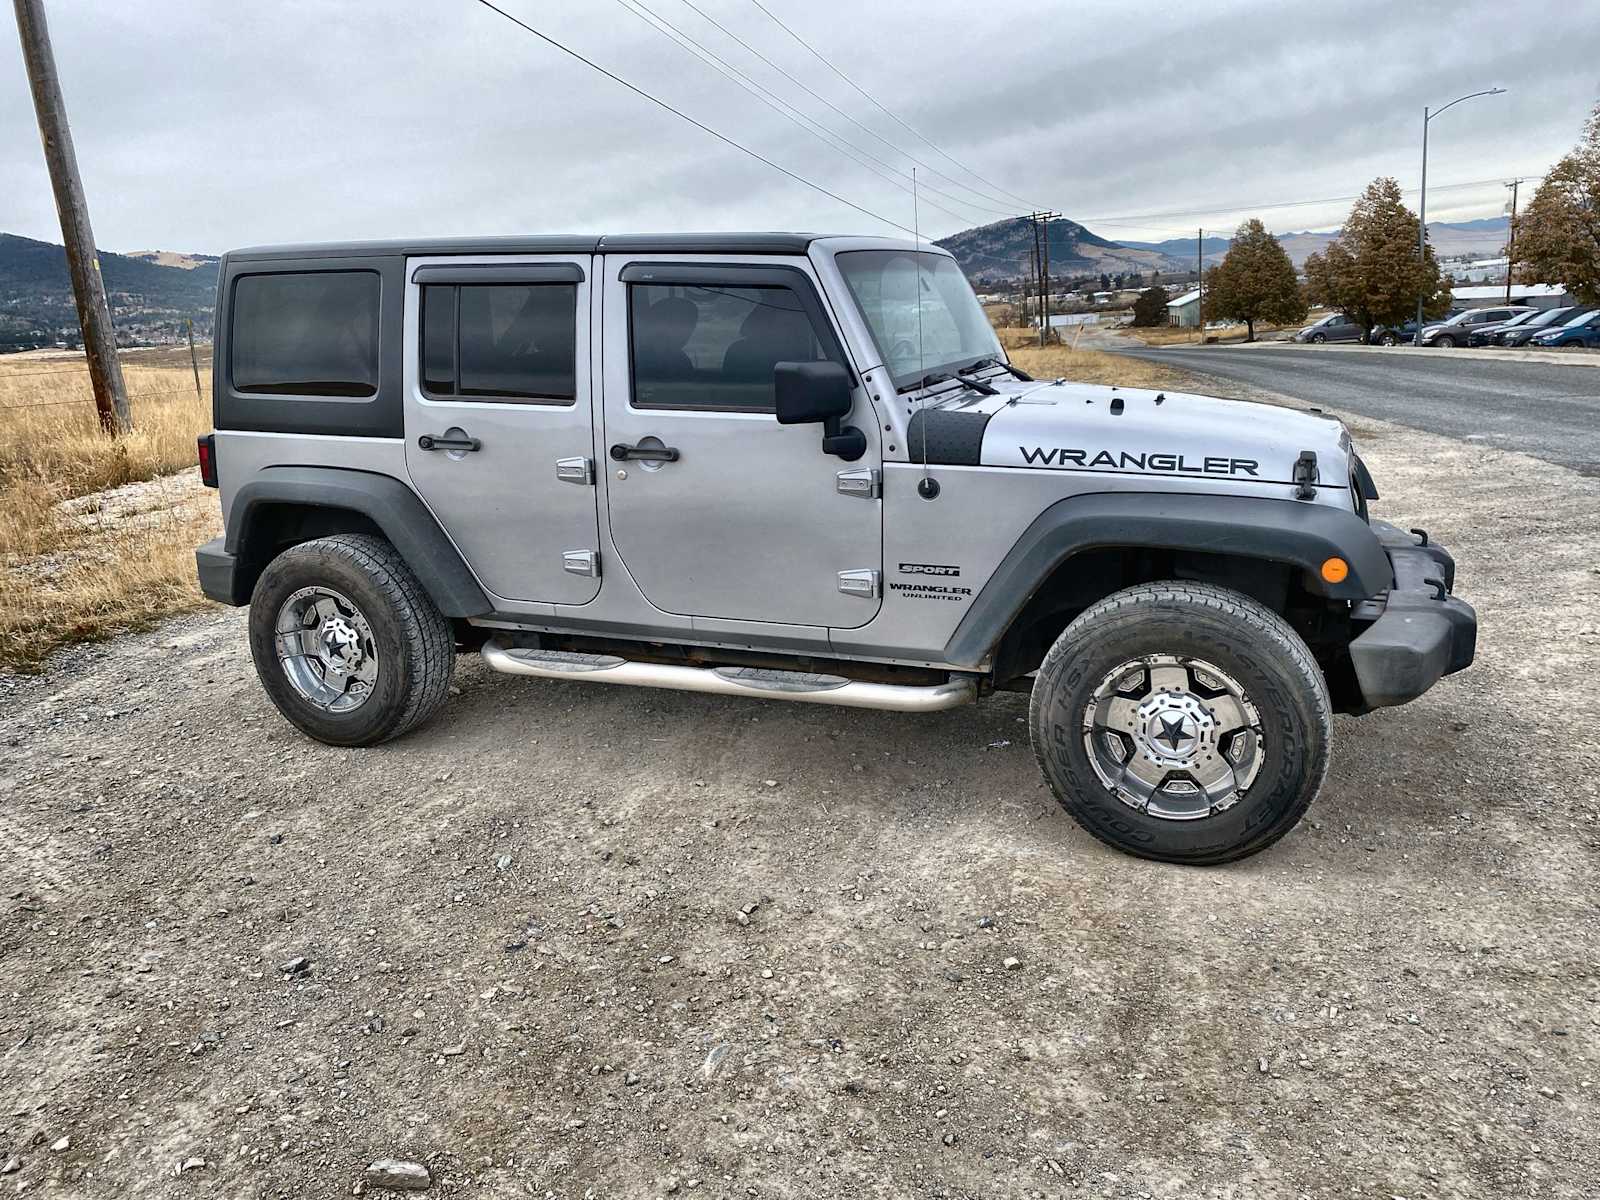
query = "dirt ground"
x=594 y=942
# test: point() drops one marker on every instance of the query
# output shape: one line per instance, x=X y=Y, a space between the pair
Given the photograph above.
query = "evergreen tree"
x=1370 y=272
x=1150 y=308
x=1255 y=282
x=1558 y=235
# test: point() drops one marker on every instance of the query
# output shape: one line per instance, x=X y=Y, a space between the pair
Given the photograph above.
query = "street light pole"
x=1422 y=200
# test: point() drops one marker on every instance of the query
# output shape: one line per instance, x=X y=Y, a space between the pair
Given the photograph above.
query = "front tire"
x=347 y=643
x=1182 y=722
x=1389 y=339
x=1318 y=338
x=1446 y=342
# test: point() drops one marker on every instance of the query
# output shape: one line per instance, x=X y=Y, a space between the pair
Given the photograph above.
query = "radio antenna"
x=927 y=488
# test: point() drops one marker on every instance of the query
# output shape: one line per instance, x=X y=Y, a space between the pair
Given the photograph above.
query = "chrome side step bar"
x=754 y=682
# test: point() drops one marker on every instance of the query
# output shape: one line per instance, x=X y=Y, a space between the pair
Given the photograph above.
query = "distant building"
x=1068 y=320
x=1481 y=270
x=1184 y=311
x=1539 y=295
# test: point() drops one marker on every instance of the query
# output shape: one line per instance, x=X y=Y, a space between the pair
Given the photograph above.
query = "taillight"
x=208 y=460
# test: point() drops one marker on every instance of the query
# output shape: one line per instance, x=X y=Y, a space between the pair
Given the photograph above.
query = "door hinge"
x=867 y=483
x=859 y=583
x=581 y=562
x=575 y=470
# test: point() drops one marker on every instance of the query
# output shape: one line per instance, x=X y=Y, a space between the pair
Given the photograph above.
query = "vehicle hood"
x=1125 y=432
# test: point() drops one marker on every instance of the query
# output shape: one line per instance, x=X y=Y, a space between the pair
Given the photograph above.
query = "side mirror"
x=805 y=393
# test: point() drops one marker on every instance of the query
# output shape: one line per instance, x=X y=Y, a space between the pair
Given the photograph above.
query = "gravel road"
x=575 y=941
x=1548 y=410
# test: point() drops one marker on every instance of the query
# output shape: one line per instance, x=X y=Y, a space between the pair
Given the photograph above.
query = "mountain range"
x=151 y=302
x=1004 y=250
x=155 y=293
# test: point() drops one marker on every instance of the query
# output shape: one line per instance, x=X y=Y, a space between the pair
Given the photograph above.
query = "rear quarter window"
x=309 y=333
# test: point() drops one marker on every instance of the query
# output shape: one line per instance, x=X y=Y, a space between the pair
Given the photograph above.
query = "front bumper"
x=1421 y=632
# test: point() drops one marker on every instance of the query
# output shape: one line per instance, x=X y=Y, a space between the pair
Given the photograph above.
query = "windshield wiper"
x=1014 y=372
x=936 y=377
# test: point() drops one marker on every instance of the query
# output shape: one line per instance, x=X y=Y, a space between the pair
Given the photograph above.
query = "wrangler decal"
x=1126 y=460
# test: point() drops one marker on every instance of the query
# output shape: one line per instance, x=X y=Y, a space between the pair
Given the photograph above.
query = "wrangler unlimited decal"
x=1124 y=460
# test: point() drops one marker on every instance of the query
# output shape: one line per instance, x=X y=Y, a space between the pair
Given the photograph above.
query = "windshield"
x=949 y=331
x=1554 y=316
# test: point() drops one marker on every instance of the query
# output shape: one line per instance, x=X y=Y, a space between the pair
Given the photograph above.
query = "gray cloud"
x=211 y=124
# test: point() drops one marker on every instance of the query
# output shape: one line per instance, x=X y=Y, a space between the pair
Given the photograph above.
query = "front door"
x=499 y=419
x=717 y=510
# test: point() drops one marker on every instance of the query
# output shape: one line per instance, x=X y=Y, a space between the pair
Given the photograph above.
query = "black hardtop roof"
x=547 y=243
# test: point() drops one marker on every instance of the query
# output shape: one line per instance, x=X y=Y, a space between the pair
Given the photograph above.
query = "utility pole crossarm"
x=88 y=288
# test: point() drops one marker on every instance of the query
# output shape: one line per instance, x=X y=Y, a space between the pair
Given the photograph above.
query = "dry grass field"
x=1168 y=335
x=1084 y=366
x=96 y=533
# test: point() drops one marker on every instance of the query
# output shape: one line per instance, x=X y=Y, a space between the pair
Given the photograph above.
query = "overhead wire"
x=1007 y=209
x=789 y=112
x=681 y=115
x=871 y=99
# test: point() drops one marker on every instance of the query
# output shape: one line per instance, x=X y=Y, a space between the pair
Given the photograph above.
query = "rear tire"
x=346 y=641
x=1250 y=779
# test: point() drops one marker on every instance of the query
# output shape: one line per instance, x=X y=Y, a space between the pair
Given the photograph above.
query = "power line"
x=825 y=61
x=821 y=132
x=1006 y=210
x=700 y=125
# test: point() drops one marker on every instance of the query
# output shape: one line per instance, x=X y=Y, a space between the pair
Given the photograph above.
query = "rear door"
x=749 y=520
x=499 y=418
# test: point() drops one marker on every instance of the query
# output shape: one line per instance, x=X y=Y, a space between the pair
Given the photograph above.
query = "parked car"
x=729 y=464
x=1335 y=327
x=1582 y=331
x=1550 y=318
x=1484 y=335
x=1393 y=335
x=1454 y=330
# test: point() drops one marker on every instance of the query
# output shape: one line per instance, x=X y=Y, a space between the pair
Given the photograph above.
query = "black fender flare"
x=1291 y=532
x=390 y=504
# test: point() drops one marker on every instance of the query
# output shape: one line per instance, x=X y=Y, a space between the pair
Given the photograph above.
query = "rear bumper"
x=1422 y=632
x=219 y=573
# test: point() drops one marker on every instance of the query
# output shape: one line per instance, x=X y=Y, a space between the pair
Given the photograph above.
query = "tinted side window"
x=306 y=334
x=715 y=347
x=514 y=341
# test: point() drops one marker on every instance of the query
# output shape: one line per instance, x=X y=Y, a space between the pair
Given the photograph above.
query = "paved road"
x=1547 y=410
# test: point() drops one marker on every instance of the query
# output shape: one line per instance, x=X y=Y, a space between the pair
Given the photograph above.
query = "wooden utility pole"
x=1200 y=283
x=1037 y=274
x=1511 y=242
x=1041 y=267
x=194 y=362
x=88 y=288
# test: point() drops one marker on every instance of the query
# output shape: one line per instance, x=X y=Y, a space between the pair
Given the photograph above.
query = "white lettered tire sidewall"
x=1253 y=645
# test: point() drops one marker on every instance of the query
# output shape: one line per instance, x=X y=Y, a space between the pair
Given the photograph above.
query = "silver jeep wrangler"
x=797 y=468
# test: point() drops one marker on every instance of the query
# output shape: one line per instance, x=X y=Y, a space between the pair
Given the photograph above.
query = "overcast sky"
x=213 y=123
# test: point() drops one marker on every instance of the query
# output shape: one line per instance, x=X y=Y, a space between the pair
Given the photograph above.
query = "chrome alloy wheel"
x=1173 y=737
x=327 y=649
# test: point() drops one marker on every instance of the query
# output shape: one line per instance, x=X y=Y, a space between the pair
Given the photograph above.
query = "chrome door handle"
x=623 y=453
x=429 y=441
